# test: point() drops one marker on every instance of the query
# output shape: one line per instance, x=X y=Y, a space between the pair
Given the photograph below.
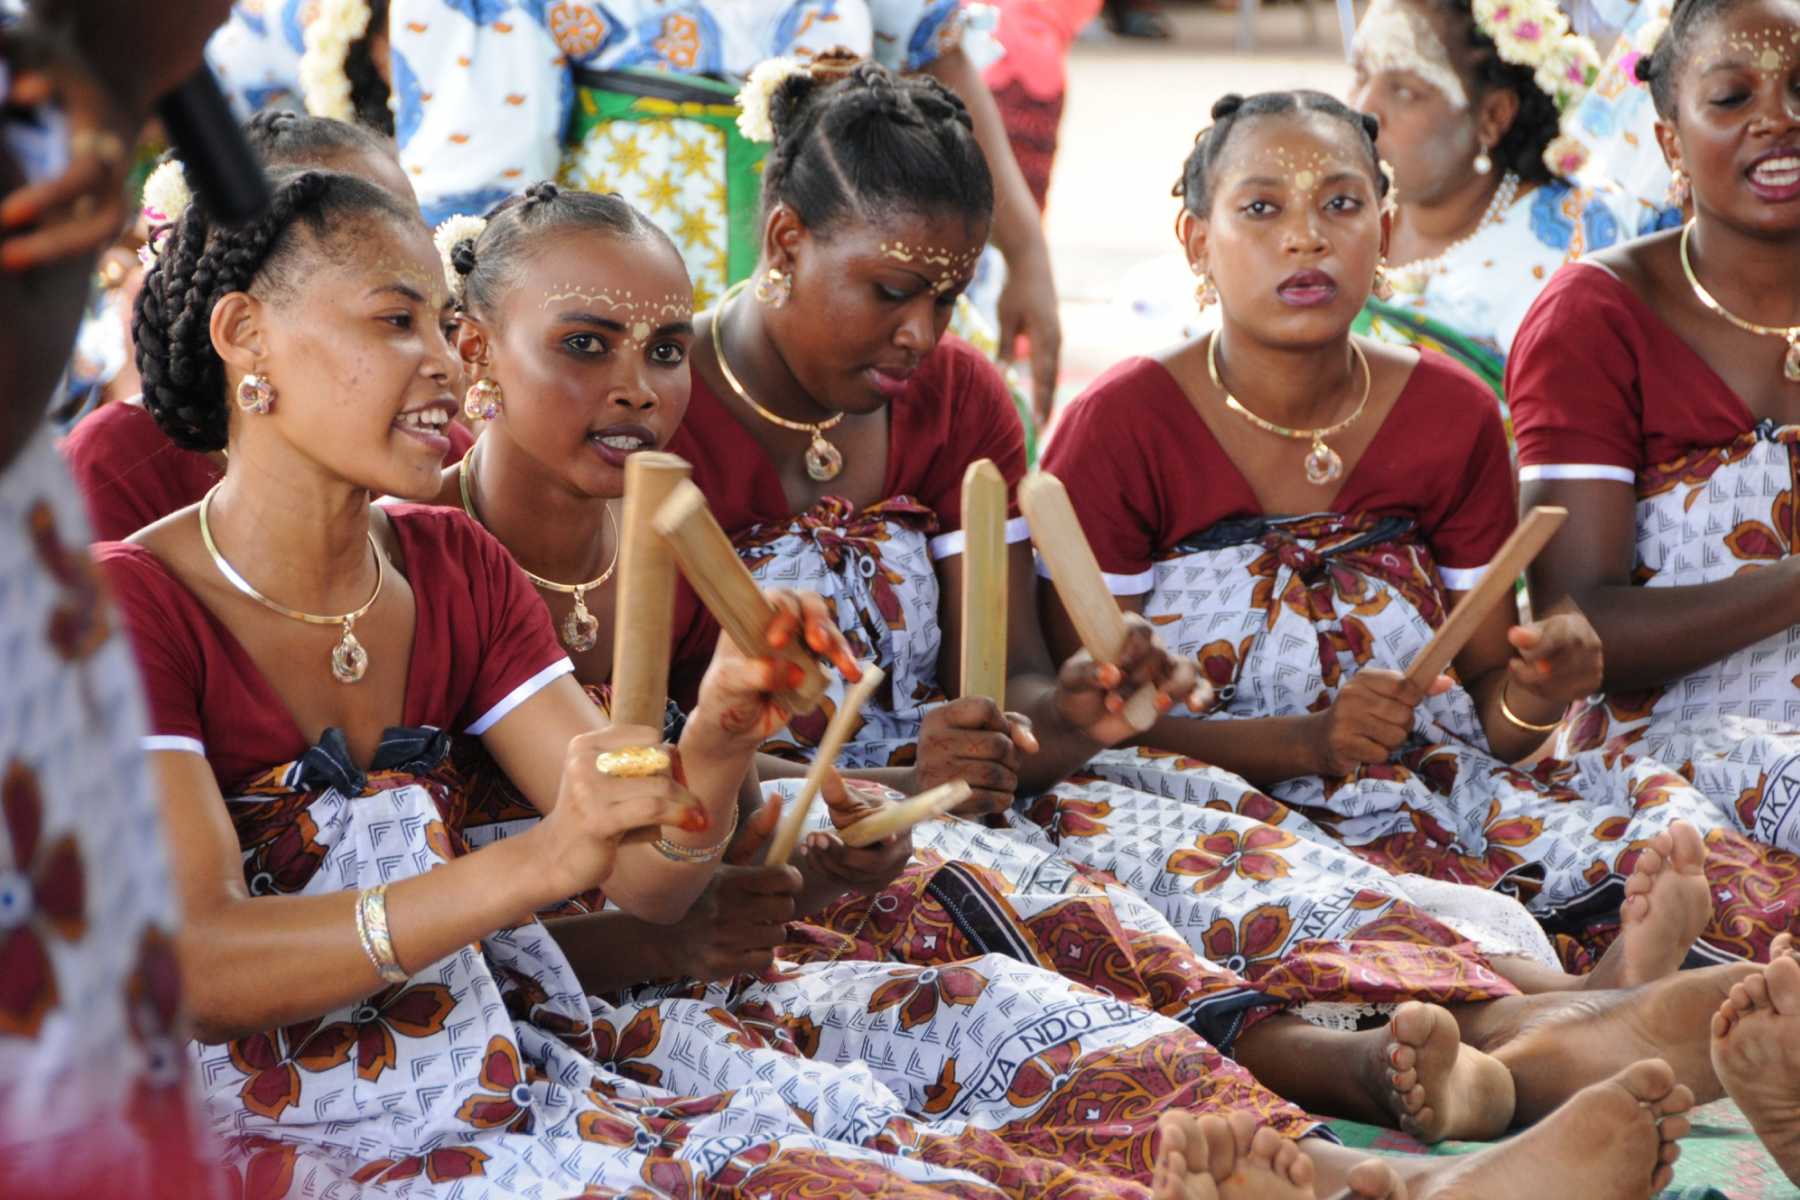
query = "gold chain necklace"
x=823 y=460
x=1790 y=363
x=1323 y=464
x=348 y=658
x=580 y=630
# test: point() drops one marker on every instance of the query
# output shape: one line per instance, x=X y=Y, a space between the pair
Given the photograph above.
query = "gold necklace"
x=1323 y=464
x=348 y=658
x=580 y=630
x=823 y=460
x=1790 y=363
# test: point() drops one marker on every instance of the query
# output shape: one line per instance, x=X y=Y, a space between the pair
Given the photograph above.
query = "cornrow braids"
x=490 y=263
x=1195 y=187
x=1538 y=122
x=1659 y=67
x=369 y=92
x=866 y=141
x=202 y=261
x=282 y=138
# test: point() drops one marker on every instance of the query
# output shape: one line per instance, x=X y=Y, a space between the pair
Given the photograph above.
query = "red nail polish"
x=694 y=820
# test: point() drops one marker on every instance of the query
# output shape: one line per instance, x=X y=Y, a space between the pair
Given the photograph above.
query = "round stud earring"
x=1483 y=164
x=255 y=394
x=482 y=401
x=774 y=287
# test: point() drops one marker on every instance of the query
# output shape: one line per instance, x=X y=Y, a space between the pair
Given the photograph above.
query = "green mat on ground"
x=1720 y=1160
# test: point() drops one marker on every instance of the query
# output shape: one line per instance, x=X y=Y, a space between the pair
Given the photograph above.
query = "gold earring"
x=1205 y=293
x=255 y=394
x=774 y=288
x=1679 y=189
x=1383 y=288
x=482 y=401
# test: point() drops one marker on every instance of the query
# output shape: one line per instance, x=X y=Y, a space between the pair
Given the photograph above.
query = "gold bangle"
x=633 y=762
x=1507 y=712
x=675 y=852
x=372 y=932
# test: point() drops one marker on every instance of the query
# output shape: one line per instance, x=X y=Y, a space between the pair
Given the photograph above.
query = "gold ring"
x=633 y=762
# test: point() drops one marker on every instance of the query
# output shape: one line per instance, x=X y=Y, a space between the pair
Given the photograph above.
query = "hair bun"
x=1371 y=125
x=462 y=256
x=1227 y=104
x=1644 y=69
x=542 y=192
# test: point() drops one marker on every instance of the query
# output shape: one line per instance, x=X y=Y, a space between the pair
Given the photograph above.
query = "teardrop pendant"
x=348 y=658
x=1790 y=365
x=1322 y=464
x=823 y=460
x=581 y=628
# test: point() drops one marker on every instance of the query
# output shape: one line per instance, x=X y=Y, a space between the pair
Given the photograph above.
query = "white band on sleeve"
x=1118 y=585
x=1577 y=471
x=949 y=545
x=1462 y=579
x=178 y=745
x=521 y=694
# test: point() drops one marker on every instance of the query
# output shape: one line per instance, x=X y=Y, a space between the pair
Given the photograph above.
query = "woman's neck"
x=548 y=529
x=1298 y=388
x=299 y=537
x=1757 y=279
x=743 y=343
x=1423 y=229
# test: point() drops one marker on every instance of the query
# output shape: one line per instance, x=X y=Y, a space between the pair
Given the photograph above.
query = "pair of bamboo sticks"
x=667 y=521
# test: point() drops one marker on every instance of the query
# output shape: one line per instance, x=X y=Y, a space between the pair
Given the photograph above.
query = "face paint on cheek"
x=1392 y=37
x=950 y=269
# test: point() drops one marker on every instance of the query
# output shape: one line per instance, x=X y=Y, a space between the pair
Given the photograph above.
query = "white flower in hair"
x=448 y=236
x=323 y=83
x=1565 y=155
x=758 y=93
x=166 y=194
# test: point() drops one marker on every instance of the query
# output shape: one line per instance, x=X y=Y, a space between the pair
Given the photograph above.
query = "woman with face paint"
x=1659 y=385
x=1470 y=98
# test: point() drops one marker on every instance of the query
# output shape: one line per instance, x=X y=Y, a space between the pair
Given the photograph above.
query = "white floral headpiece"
x=447 y=237
x=324 y=85
x=1536 y=34
x=166 y=198
x=758 y=92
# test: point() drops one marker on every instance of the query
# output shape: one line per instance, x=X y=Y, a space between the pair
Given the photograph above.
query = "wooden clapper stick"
x=1056 y=530
x=644 y=616
x=984 y=582
x=724 y=585
x=837 y=732
x=897 y=818
x=1496 y=583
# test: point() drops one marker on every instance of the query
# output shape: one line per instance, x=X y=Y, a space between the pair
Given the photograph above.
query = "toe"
x=1783 y=944
x=1651 y=861
x=1648 y=1080
x=1292 y=1165
x=1756 y=987
x=1783 y=981
x=1373 y=1179
x=1690 y=848
x=1265 y=1143
x=1221 y=1147
x=1244 y=1128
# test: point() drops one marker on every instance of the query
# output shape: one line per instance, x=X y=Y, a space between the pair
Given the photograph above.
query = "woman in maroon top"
x=1656 y=392
x=127 y=468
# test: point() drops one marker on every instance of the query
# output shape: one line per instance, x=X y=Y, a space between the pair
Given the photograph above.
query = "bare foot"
x=1372 y=1179
x=1756 y=1051
x=1227 y=1158
x=1436 y=1087
x=1555 y=1044
x=1612 y=1141
x=1667 y=906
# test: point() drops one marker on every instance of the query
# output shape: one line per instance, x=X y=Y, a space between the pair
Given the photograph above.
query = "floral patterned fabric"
x=1163 y=861
x=1733 y=727
x=1282 y=613
x=489 y=1073
x=96 y=1099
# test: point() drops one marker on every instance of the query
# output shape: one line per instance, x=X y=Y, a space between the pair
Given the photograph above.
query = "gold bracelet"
x=372 y=932
x=675 y=852
x=1512 y=716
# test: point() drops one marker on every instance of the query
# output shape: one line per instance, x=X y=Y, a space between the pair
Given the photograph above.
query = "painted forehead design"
x=951 y=267
x=1302 y=169
x=391 y=267
x=1393 y=37
x=1767 y=49
x=641 y=317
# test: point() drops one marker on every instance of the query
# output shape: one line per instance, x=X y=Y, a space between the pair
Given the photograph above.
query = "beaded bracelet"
x=675 y=852
x=372 y=932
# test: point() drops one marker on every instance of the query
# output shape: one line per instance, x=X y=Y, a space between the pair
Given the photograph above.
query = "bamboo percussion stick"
x=644 y=617
x=726 y=588
x=1533 y=533
x=1076 y=572
x=984 y=582
x=837 y=732
x=897 y=818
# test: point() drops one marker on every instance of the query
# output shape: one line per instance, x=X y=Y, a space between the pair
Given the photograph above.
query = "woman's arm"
x=255 y=963
x=1651 y=636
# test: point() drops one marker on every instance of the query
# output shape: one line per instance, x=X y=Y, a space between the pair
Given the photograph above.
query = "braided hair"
x=1658 y=68
x=1195 y=186
x=488 y=264
x=202 y=261
x=279 y=137
x=867 y=141
x=1538 y=121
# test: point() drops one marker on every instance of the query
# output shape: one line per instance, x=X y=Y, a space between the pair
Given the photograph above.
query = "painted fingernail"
x=796 y=676
x=694 y=820
x=1163 y=702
